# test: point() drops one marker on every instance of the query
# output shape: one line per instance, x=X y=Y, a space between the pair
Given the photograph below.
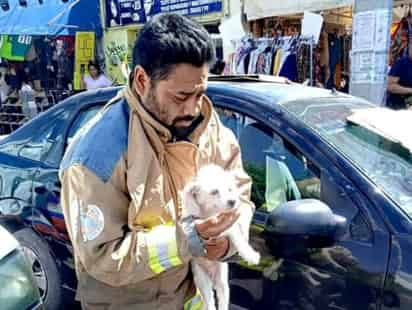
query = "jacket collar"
x=164 y=132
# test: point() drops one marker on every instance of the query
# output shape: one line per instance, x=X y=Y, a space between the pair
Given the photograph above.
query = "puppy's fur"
x=214 y=190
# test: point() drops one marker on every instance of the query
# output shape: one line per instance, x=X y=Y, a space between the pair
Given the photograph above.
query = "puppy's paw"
x=253 y=258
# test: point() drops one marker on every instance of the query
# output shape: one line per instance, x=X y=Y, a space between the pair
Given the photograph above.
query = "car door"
x=284 y=166
x=46 y=182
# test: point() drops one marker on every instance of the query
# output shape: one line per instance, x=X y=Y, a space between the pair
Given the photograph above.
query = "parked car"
x=18 y=289
x=333 y=196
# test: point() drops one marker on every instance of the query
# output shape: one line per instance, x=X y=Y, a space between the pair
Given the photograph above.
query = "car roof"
x=272 y=93
x=267 y=90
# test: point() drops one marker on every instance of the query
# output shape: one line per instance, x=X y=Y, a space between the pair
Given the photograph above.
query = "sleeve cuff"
x=195 y=243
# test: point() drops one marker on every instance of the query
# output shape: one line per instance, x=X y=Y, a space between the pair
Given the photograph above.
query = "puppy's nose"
x=231 y=203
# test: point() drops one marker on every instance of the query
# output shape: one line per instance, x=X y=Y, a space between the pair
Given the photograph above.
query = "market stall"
x=43 y=47
x=277 y=46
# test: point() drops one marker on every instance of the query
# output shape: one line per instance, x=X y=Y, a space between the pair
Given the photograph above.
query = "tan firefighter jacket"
x=121 y=179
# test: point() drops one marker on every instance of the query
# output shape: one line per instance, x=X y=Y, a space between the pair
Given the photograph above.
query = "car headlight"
x=18 y=289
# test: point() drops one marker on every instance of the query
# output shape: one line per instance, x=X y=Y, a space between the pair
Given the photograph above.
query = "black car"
x=333 y=196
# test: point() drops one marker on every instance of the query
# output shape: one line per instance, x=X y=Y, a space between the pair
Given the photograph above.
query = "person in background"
x=4 y=87
x=400 y=81
x=14 y=78
x=27 y=95
x=96 y=78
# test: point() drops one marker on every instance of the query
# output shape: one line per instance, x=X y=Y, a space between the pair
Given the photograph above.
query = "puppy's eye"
x=214 y=192
x=230 y=189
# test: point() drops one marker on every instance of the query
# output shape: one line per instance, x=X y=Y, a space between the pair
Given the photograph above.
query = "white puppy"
x=214 y=190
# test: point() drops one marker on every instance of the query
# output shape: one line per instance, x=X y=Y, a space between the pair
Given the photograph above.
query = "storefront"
x=124 y=18
x=276 y=45
x=44 y=46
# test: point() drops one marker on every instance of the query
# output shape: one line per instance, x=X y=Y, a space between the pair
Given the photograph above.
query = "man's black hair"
x=171 y=39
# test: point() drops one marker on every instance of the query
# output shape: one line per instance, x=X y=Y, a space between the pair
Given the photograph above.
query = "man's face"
x=177 y=100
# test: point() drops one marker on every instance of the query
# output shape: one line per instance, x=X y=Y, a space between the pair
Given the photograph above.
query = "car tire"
x=43 y=265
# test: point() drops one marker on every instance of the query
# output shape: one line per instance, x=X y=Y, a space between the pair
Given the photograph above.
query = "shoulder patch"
x=101 y=143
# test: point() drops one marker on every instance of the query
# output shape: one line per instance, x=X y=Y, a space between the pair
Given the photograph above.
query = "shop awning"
x=256 y=9
x=51 y=17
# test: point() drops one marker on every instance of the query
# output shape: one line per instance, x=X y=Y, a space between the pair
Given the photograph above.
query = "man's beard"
x=183 y=133
x=178 y=132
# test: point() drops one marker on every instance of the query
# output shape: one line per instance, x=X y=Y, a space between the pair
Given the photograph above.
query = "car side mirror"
x=298 y=225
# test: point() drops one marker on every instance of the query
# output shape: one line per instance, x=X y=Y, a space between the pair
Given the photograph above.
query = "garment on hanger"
x=276 y=63
x=289 y=68
x=335 y=49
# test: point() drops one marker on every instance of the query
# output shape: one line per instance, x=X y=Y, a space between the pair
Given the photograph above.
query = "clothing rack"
x=272 y=44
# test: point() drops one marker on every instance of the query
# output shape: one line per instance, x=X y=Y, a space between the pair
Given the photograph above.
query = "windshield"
x=387 y=164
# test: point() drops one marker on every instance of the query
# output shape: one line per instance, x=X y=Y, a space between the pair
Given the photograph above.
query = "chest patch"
x=92 y=222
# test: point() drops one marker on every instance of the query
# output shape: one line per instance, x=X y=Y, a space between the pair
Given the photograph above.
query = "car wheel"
x=43 y=266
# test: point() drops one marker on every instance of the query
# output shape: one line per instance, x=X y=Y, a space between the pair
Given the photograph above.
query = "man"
x=400 y=81
x=123 y=174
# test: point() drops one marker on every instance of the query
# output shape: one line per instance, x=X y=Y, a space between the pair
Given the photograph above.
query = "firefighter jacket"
x=121 y=182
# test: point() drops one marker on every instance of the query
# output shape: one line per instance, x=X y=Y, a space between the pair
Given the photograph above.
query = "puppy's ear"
x=190 y=206
x=195 y=190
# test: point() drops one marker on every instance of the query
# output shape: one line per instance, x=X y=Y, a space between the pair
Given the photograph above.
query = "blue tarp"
x=52 y=17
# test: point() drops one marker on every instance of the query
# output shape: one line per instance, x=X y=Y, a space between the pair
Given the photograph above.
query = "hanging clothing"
x=276 y=63
x=253 y=61
x=335 y=48
x=289 y=68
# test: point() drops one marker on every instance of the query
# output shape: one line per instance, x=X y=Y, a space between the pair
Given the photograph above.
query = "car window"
x=279 y=171
x=37 y=138
x=81 y=119
x=231 y=120
x=38 y=146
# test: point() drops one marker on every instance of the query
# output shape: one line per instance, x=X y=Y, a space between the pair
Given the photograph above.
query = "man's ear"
x=141 y=81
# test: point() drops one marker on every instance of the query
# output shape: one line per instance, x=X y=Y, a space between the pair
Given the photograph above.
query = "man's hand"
x=211 y=228
x=217 y=248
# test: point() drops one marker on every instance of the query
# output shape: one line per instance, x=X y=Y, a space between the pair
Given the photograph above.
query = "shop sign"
x=15 y=47
x=118 y=52
x=84 y=52
x=369 y=44
x=124 y=12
